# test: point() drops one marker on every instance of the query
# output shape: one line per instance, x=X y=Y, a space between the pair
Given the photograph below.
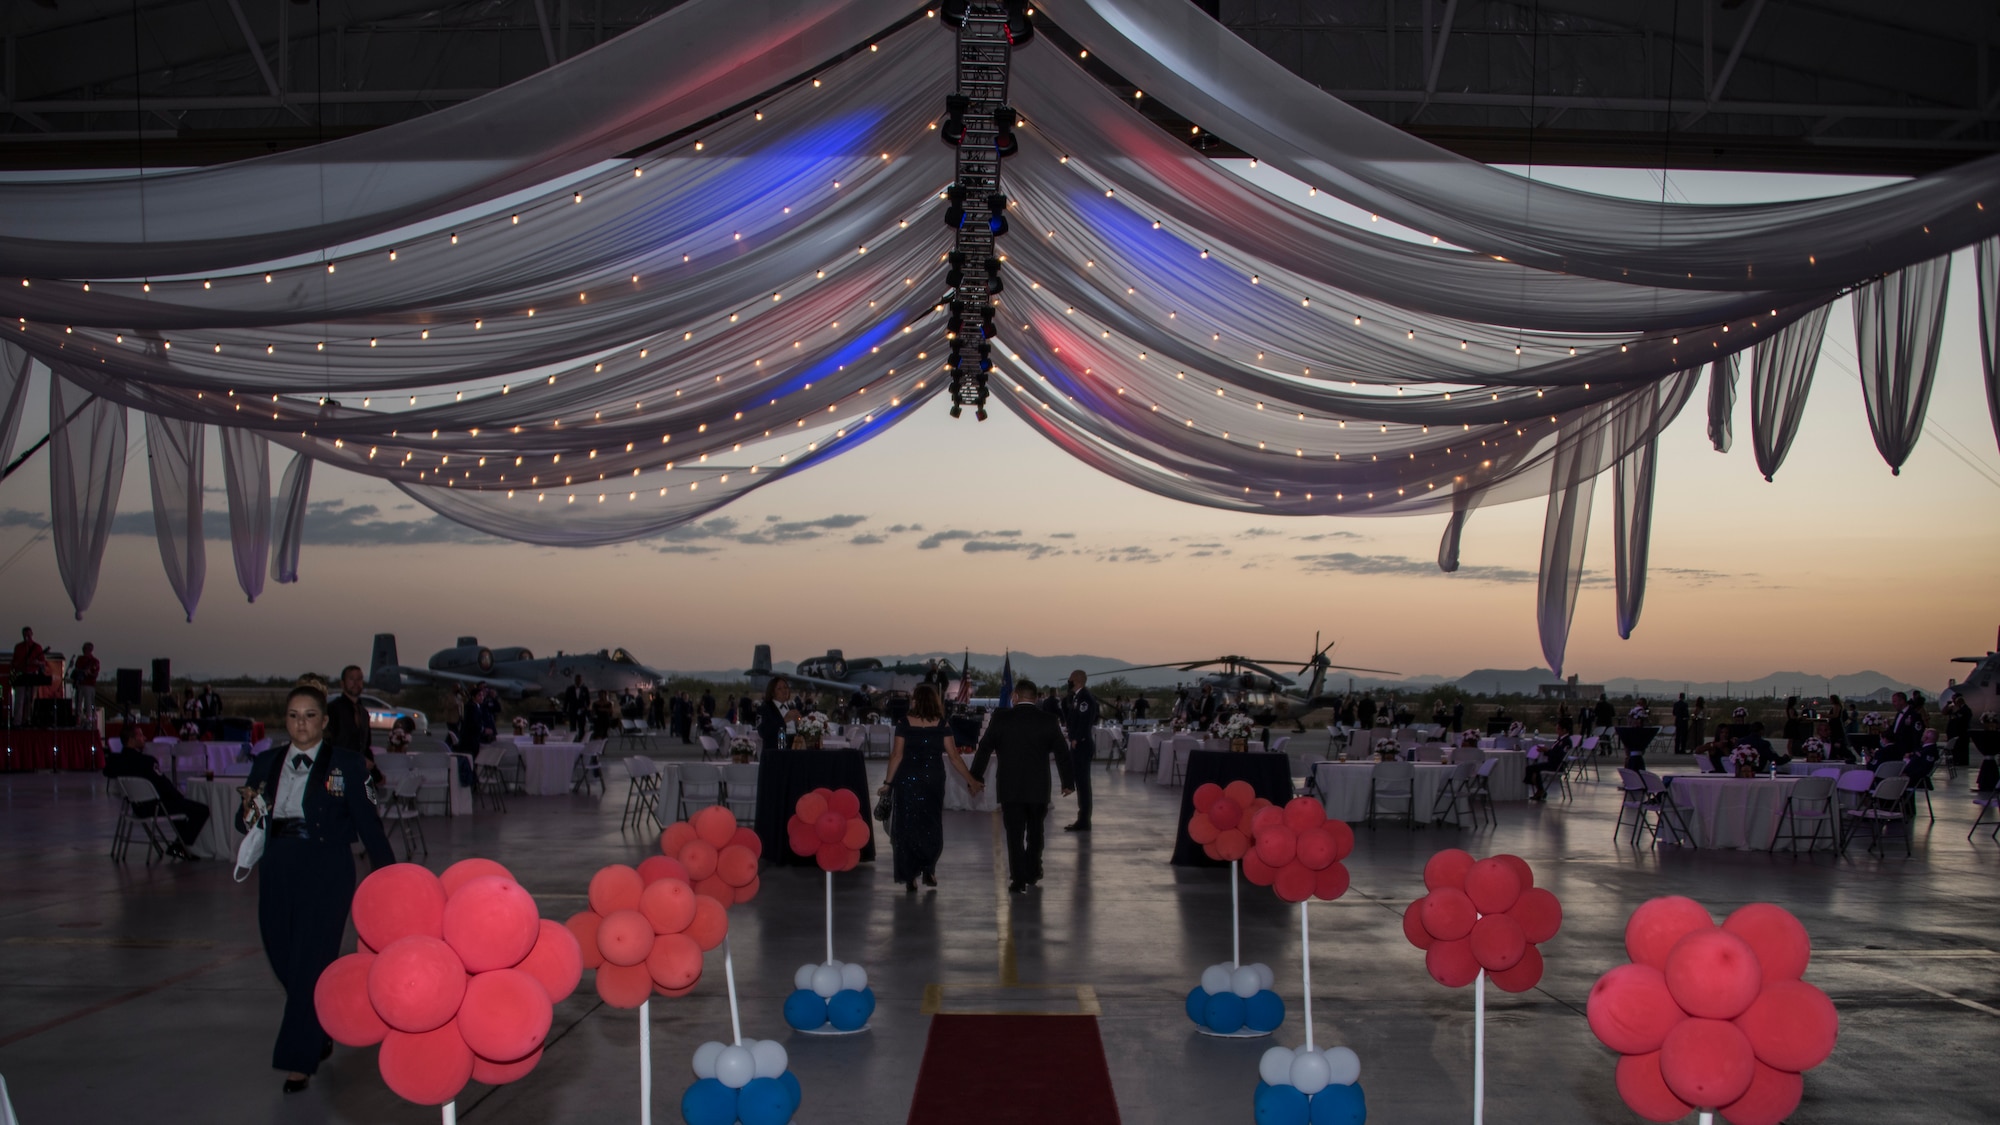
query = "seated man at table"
x=130 y=761
x=1550 y=763
x=1767 y=756
x=1025 y=738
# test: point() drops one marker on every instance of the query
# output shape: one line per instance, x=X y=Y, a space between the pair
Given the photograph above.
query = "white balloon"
x=1245 y=983
x=770 y=1056
x=1216 y=979
x=1275 y=1068
x=853 y=977
x=1309 y=1072
x=1343 y=1066
x=704 y=1059
x=804 y=977
x=735 y=1067
x=826 y=981
x=1266 y=979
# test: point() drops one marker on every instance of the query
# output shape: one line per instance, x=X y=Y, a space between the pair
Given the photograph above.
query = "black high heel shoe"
x=294 y=1085
x=910 y=887
x=930 y=880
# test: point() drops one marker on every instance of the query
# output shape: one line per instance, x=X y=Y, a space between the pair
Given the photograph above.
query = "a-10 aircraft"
x=1981 y=689
x=834 y=672
x=513 y=672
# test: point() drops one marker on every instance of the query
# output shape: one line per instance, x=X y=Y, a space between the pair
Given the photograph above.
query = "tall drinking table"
x=1269 y=774
x=783 y=776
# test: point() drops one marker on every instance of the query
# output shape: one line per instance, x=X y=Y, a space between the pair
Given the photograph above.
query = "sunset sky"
x=948 y=534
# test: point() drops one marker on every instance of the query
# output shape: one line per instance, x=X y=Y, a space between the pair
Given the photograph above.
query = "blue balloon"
x=1339 y=1105
x=1281 y=1105
x=709 y=1102
x=1225 y=1013
x=1264 y=1011
x=849 y=1010
x=791 y=1083
x=764 y=1101
x=805 y=1010
x=1197 y=1005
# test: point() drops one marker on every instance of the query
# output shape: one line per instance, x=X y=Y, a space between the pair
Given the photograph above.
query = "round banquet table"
x=1806 y=769
x=1343 y=788
x=783 y=776
x=1635 y=740
x=1269 y=774
x=1509 y=779
x=1731 y=812
x=219 y=838
x=548 y=767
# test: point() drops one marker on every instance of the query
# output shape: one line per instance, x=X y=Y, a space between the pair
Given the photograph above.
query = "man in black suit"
x=1025 y=738
x=1079 y=718
x=347 y=716
x=317 y=798
x=576 y=706
x=1681 y=724
x=130 y=761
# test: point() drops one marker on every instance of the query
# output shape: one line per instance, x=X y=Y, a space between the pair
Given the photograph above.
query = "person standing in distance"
x=347 y=716
x=1079 y=719
x=576 y=705
x=318 y=801
x=1024 y=738
x=775 y=712
x=1681 y=716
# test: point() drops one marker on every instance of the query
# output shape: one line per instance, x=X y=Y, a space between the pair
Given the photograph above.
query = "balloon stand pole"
x=646 y=1063
x=450 y=1113
x=729 y=977
x=1479 y=1051
x=1306 y=972
x=1235 y=922
x=1707 y=1117
x=829 y=917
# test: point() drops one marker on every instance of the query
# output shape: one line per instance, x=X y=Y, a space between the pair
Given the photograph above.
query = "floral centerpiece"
x=520 y=725
x=807 y=730
x=1872 y=720
x=1516 y=729
x=741 y=748
x=539 y=732
x=1814 y=750
x=1387 y=749
x=1743 y=760
x=190 y=732
x=1235 y=730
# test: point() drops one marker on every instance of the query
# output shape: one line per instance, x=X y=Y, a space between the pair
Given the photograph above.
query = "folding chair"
x=739 y=781
x=1586 y=758
x=1883 y=808
x=1919 y=772
x=632 y=732
x=1432 y=752
x=1180 y=748
x=1480 y=791
x=710 y=748
x=1811 y=802
x=1559 y=778
x=1852 y=788
x=1704 y=764
x=1633 y=800
x=1888 y=770
x=1308 y=765
x=1831 y=772
x=487 y=780
x=642 y=795
x=589 y=768
x=142 y=813
x=1988 y=802
x=1666 y=811
x=1455 y=790
x=399 y=808
x=1391 y=782
x=702 y=783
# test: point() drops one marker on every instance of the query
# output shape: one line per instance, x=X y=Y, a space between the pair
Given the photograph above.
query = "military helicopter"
x=1270 y=696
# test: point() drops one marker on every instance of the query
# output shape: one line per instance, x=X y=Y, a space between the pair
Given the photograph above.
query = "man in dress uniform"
x=1024 y=737
x=346 y=715
x=1079 y=720
x=576 y=706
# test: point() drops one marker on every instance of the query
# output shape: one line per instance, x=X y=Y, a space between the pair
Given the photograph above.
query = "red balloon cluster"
x=828 y=826
x=1295 y=850
x=646 y=930
x=457 y=978
x=1482 y=914
x=712 y=852
x=1712 y=1016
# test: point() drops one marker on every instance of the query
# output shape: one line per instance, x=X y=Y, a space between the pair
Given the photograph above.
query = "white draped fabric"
x=1722 y=403
x=1987 y=266
x=1781 y=371
x=14 y=369
x=1898 y=330
x=174 y=463
x=246 y=477
x=86 y=471
x=290 y=519
x=1565 y=529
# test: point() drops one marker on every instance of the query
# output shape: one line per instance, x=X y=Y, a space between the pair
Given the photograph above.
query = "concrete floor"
x=138 y=991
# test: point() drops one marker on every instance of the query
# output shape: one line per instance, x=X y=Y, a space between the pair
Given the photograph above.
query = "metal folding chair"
x=1811 y=802
x=156 y=824
x=1883 y=808
x=1391 y=782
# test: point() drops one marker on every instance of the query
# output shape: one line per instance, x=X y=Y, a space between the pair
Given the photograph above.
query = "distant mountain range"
x=1483 y=681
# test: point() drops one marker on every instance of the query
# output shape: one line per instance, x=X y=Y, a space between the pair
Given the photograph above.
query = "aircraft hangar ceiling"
x=1883 y=86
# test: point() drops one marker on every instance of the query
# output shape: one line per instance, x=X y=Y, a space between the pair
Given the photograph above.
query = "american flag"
x=965 y=680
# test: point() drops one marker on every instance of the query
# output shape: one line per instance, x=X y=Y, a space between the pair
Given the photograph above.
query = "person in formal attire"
x=603 y=715
x=1079 y=713
x=705 y=711
x=1681 y=716
x=317 y=800
x=1024 y=739
x=1550 y=763
x=130 y=761
x=1139 y=706
x=83 y=673
x=347 y=716
x=1767 y=755
x=1458 y=716
x=576 y=706
x=923 y=749
x=1717 y=749
x=774 y=712
x=1904 y=732
x=1604 y=713
x=30 y=670
x=1364 y=712
x=1957 y=729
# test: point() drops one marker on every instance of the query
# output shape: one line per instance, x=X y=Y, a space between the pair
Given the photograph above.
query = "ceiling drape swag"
x=246 y=477
x=1898 y=330
x=1565 y=530
x=1638 y=437
x=1454 y=531
x=1781 y=373
x=14 y=372
x=289 y=519
x=174 y=464
x=86 y=470
x=1987 y=262
x=1722 y=403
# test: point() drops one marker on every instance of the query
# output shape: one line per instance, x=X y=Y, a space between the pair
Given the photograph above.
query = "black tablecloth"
x=1269 y=774
x=783 y=776
x=1635 y=740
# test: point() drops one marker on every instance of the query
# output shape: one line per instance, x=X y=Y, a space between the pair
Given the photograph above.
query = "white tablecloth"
x=1732 y=812
x=1805 y=769
x=442 y=776
x=219 y=837
x=1139 y=749
x=958 y=797
x=1508 y=781
x=548 y=766
x=1343 y=788
x=232 y=758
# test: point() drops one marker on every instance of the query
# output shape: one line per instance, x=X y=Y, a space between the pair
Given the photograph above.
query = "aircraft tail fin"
x=382 y=673
x=760 y=661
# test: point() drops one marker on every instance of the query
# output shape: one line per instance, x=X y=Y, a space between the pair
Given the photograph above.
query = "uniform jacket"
x=337 y=809
x=1024 y=737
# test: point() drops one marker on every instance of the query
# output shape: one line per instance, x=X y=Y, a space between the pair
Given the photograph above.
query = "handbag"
x=252 y=848
x=883 y=806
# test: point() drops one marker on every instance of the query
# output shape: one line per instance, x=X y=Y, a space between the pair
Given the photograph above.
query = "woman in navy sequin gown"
x=922 y=752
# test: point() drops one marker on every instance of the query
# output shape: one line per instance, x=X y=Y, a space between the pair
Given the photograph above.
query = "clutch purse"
x=252 y=848
x=882 y=807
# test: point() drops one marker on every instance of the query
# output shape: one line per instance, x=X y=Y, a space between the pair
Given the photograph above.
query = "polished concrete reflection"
x=138 y=991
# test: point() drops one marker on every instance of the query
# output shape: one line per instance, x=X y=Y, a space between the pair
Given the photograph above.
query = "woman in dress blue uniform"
x=318 y=802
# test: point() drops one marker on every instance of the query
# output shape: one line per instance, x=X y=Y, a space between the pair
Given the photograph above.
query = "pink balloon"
x=1707 y=1062
x=1631 y=1011
x=1782 y=945
x=1713 y=974
x=1653 y=929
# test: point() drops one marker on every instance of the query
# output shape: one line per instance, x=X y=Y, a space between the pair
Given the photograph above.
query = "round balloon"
x=711 y=923
x=1492 y=885
x=708 y=1102
x=1340 y=1105
x=699 y=857
x=1526 y=973
x=340 y=998
x=805 y=1009
x=1278 y=844
x=675 y=836
x=1780 y=941
x=771 y=1057
x=416 y=983
x=1315 y=849
x=853 y=978
x=1295 y=883
x=1645 y=1090
x=1201 y=829
x=1205 y=795
x=1447 y=868
x=735 y=1067
x=1343 y=1066
x=1497 y=942
x=1713 y=974
x=1653 y=929
x=1281 y=1105
x=1707 y=1062
x=1267 y=818
x=668 y=905
x=505 y=1015
x=1451 y=963
x=1791 y=1025
x=1343 y=837
x=826 y=981
x=625 y=938
x=716 y=825
x=1264 y=1011
x=675 y=961
x=764 y=1101
x=737 y=866
x=849 y=1010
x=1539 y=913
x=812 y=806
x=398 y=901
x=1275 y=1068
x=1225 y=1013
x=845 y=802
x=1447 y=913
x=1631 y=1011
x=1304 y=814
x=704 y=1059
x=1521 y=869
x=1217 y=978
x=1241 y=793
x=747 y=838
x=466 y=870
x=1196 y=1004
x=654 y=868
x=556 y=961
x=1413 y=927
x=1245 y=982
x=428 y=1068
x=1259 y=873
x=1772 y=1096
x=614 y=888
x=491 y=923
x=1330 y=883
x=624 y=986
x=1225 y=814
x=1310 y=1073
x=499 y=1074
x=583 y=925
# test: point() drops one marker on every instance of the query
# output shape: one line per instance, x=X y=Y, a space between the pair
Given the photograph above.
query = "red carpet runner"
x=1014 y=1070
